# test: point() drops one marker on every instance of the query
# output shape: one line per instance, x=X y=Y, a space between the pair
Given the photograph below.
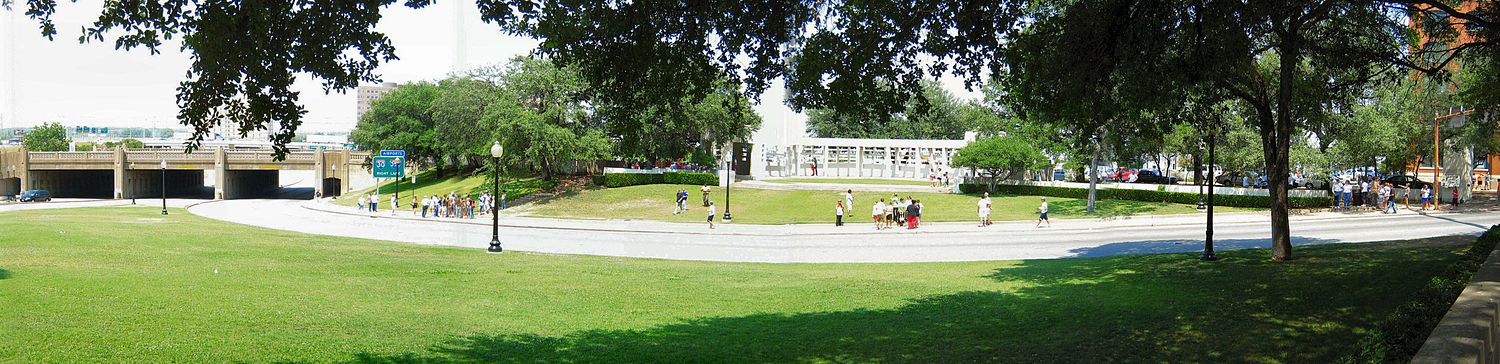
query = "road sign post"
x=389 y=164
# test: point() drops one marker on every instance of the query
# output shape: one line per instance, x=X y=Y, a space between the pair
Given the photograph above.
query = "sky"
x=94 y=84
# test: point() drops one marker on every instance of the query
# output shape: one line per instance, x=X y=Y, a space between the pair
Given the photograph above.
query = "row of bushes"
x=1147 y=195
x=1399 y=336
x=676 y=178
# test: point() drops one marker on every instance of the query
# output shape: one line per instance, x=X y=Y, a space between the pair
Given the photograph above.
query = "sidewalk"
x=863 y=228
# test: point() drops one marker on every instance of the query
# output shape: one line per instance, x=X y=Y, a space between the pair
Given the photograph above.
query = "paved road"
x=855 y=243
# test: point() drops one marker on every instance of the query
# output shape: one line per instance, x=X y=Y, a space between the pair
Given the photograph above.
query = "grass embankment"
x=755 y=206
x=428 y=184
x=127 y=284
x=851 y=181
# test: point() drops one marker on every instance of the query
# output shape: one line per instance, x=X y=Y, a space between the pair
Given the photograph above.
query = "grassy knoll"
x=429 y=184
x=755 y=206
x=851 y=181
x=124 y=284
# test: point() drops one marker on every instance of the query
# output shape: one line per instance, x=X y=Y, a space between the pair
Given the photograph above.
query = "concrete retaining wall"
x=1468 y=332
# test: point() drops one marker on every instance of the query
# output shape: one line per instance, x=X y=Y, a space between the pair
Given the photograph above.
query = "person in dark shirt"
x=913 y=214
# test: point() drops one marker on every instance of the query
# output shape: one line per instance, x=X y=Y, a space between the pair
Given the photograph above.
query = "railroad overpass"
x=137 y=173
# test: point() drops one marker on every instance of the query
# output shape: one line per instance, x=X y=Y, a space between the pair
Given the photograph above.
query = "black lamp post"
x=496 y=151
x=1208 y=240
x=163 y=187
x=729 y=180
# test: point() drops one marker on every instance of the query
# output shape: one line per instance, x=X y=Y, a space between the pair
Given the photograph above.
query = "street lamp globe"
x=496 y=150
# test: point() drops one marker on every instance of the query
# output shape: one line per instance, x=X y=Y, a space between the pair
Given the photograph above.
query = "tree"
x=678 y=129
x=401 y=119
x=541 y=115
x=49 y=137
x=943 y=117
x=998 y=158
x=129 y=143
x=458 y=114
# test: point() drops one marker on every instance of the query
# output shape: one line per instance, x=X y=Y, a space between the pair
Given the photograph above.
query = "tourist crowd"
x=452 y=205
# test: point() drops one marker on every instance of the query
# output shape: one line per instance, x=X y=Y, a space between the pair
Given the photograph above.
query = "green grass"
x=851 y=181
x=756 y=206
x=124 y=284
x=429 y=184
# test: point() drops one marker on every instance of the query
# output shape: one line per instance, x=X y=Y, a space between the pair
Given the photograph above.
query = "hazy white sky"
x=94 y=84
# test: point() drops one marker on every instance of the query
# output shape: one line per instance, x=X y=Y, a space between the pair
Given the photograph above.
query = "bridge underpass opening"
x=332 y=187
x=74 y=183
x=10 y=186
x=268 y=184
x=147 y=183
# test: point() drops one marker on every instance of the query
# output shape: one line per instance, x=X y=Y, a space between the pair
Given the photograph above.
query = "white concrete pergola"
x=842 y=157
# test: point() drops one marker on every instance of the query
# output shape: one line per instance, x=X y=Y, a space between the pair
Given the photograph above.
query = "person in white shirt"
x=849 y=198
x=1039 y=220
x=712 y=210
x=395 y=202
x=878 y=212
x=984 y=210
x=838 y=213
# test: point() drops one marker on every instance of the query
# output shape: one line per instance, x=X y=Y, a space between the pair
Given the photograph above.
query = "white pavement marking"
x=854 y=243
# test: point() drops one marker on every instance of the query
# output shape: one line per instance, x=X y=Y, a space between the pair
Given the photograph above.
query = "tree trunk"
x=1276 y=141
x=1093 y=176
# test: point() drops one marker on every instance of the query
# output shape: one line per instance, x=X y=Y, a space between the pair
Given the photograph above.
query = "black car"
x=1147 y=176
x=36 y=196
x=1405 y=181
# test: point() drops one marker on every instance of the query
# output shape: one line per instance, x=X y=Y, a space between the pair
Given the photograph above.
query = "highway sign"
x=392 y=153
x=389 y=167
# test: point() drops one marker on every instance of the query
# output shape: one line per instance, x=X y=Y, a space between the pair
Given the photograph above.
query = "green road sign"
x=389 y=167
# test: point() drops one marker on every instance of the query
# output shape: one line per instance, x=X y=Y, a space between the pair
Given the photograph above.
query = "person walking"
x=914 y=214
x=1043 y=217
x=1426 y=197
x=1338 y=193
x=1390 y=198
x=503 y=203
x=395 y=203
x=984 y=210
x=878 y=213
x=712 y=210
x=425 y=205
x=898 y=211
x=361 y=203
x=838 y=213
x=705 y=191
x=414 y=204
x=849 y=198
x=677 y=202
x=375 y=202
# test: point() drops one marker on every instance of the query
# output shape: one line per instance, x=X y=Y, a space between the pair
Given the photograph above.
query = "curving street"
x=852 y=243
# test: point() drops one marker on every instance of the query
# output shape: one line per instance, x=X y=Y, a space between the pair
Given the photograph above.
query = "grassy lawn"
x=429 y=184
x=124 y=284
x=850 y=181
x=755 y=206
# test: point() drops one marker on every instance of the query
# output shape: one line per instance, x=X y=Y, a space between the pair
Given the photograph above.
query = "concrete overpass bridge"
x=123 y=173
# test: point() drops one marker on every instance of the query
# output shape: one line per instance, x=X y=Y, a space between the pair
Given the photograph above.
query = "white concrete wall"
x=1170 y=188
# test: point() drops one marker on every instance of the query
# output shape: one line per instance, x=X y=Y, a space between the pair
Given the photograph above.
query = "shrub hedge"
x=1396 y=338
x=634 y=179
x=1148 y=195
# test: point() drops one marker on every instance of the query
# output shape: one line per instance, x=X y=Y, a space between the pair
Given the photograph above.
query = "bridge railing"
x=143 y=156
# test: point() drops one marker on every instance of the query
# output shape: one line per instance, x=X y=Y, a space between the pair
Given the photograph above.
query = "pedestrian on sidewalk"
x=838 y=213
x=395 y=203
x=361 y=203
x=1455 y=196
x=426 y=202
x=878 y=213
x=375 y=202
x=913 y=214
x=1338 y=193
x=712 y=210
x=1426 y=197
x=1387 y=192
x=898 y=211
x=984 y=210
x=503 y=203
x=1043 y=209
x=414 y=204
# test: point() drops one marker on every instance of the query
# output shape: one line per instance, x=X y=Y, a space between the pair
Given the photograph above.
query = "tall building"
x=366 y=95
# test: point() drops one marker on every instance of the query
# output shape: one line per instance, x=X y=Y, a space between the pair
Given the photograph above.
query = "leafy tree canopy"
x=943 y=117
x=401 y=119
x=1000 y=157
x=49 y=137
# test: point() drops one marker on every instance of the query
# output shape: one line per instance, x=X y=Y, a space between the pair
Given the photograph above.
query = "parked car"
x=1405 y=181
x=36 y=196
x=1148 y=176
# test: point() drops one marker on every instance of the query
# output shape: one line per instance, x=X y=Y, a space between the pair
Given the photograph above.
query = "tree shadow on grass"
x=1184 y=246
x=4 y=274
x=1166 y=307
x=1103 y=208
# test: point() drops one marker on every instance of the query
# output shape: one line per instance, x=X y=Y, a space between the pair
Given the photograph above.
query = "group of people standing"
x=1364 y=191
x=452 y=205
x=898 y=212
